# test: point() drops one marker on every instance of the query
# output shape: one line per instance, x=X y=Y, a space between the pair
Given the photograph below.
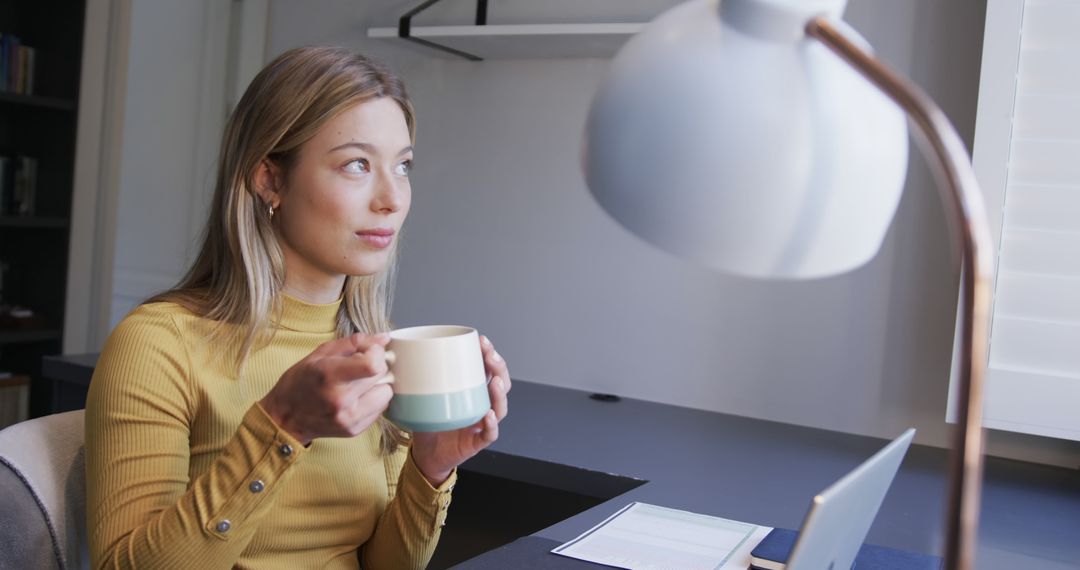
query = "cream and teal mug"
x=437 y=373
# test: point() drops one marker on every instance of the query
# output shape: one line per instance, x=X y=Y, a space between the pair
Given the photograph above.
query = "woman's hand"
x=333 y=392
x=438 y=453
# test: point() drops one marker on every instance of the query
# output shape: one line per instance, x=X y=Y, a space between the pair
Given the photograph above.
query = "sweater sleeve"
x=142 y=509
x=408 y=530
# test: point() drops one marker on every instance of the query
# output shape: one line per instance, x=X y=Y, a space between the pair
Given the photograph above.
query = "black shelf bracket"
x=405 y=28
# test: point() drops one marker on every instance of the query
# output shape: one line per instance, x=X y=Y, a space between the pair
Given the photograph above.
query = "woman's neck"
x=316 y=291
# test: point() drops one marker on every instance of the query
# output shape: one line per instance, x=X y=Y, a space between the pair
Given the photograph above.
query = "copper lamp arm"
x=967 y=218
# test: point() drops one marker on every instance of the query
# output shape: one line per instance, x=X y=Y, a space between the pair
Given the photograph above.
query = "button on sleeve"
x=270 y=452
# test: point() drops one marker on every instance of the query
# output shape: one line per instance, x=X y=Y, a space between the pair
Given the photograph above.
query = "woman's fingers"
x=348 y=345
x=333 y=392
x=490 y=433
x=499 y=376
x=358 y=365
x=364 y=342
x=363 y=408
x=497 y=395
x=368 y=407
x=494 y=362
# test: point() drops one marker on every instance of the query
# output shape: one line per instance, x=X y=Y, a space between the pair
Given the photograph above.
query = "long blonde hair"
x=238 y=275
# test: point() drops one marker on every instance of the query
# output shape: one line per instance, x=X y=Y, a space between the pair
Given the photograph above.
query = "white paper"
x=648 y=537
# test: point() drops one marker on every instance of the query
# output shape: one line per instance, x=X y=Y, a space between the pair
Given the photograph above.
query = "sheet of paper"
x=648 y=537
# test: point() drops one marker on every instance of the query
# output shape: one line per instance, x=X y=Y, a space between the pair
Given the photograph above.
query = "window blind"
x=1027 y=158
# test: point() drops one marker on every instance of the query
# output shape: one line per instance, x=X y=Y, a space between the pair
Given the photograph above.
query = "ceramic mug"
x=437 y=373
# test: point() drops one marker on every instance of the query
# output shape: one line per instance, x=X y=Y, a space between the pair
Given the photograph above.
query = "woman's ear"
x=268 y=182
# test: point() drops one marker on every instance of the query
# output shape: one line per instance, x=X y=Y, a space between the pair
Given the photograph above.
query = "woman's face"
x=346 y=196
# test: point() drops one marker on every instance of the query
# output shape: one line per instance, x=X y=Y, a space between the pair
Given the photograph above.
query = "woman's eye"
x=403 y=168
x=358 y=166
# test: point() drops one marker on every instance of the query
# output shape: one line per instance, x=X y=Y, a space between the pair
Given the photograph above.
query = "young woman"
x=235 y=421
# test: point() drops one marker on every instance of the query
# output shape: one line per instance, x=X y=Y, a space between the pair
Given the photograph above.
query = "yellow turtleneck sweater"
x=185 y=470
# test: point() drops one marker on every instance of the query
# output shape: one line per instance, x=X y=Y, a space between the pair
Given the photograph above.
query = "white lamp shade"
x=723 y=135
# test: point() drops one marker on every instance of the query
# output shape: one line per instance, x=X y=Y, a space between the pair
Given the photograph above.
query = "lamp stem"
x=967 y=216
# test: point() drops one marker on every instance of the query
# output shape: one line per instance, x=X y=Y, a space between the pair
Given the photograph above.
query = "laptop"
x=839 y=517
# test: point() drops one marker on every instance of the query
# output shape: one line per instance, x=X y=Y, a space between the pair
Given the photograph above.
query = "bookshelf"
x=41 y=125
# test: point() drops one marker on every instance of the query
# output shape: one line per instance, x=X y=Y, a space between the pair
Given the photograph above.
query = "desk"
x=766 y=473
x=70 y=376
x=762 y=472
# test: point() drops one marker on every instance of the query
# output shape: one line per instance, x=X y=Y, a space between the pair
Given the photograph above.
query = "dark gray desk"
x=765 y=473
x=760 y=472
x=70 y=377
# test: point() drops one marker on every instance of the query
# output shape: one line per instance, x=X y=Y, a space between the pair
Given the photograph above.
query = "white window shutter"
x=1027 y=158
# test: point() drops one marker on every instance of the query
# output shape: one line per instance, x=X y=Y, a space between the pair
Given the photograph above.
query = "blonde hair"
x=237 y=277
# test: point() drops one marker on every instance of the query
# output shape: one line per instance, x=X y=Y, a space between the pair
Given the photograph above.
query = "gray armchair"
x=42 y=494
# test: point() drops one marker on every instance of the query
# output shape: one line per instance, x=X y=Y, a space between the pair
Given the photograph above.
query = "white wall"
x=185 y=64
x=504 y=236
x=173 y=85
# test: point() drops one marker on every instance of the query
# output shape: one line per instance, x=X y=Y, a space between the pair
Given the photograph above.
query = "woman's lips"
x=378 y=238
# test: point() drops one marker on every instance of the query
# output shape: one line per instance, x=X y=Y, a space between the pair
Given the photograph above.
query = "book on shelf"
x=7 y=177
x=18 y=185
x=4 y=268
x=17 y=62
x=5 y=58
x=25 y=187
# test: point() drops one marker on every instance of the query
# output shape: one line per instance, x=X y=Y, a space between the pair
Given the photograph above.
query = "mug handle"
x=388 y=378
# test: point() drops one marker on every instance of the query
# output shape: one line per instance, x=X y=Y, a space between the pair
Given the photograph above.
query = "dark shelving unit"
x=40 y=125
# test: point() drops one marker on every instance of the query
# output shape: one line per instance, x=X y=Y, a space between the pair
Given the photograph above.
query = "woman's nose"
x=389 y=194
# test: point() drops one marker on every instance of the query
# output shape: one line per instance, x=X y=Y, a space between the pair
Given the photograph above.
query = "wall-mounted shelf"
x=14 y=336
x=520 y=41
x=37 y=101
x=36 y=222
x=510 y=41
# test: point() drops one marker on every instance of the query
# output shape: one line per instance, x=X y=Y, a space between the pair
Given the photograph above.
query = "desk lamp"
x=763 y=138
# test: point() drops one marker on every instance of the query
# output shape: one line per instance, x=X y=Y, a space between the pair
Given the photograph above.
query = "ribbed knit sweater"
x=185 y=470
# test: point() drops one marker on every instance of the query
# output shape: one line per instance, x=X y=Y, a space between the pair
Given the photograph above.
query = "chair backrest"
x=43 y=494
